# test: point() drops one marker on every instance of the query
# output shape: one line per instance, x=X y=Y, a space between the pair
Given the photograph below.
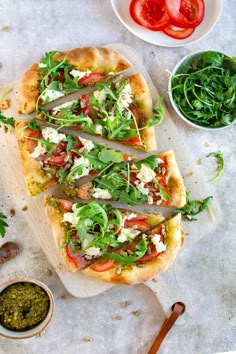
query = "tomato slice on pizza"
x=61 y=73
x=120 y=111
x=112 y=244
x=50 y=158
x=155 y=180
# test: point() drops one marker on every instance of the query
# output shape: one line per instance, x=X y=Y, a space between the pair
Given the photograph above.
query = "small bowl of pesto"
x=202 y=90
x=26 y=308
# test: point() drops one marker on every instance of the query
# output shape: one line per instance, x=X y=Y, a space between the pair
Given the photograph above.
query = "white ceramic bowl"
x=42 y=325
x=174 y=105
x=212 y=13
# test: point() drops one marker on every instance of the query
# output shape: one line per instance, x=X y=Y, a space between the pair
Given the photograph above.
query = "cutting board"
x=167 y=137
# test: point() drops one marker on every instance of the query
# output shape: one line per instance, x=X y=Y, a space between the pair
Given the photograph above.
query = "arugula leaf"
x=3 y=225
x=151 y=162
x=8 y=121
x=34 y=125
x=192 y=208
x=126 y=259
x=109 y=156
x=220 y=164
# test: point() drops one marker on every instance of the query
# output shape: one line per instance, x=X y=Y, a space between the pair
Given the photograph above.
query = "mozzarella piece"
x=160 y=246
x=141 y=188
x=98 y=129
x=71 y=218
x=125 y=97
x=127 y=233
x=52 y=135
x=100 y=96
x=88 y=144
x=80 y=74
x=146 y=174
x=39 y=150
x=131 y=216
x=101 y=193
x=150 y=200
x=52 y=95
x=81 y=161
x=42 y=65
x=93 y=251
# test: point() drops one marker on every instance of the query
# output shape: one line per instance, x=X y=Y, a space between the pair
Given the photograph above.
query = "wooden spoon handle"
x=177 y=310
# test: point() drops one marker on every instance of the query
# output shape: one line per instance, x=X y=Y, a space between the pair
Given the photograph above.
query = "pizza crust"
x=143 y=99
x=54 y=219
x=35 y=178
x=138 y=274
x=96 y=59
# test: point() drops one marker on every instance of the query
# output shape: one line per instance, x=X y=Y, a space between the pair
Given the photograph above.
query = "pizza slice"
x=111 y=244
x=120 y=111
x=155 y=180
x=61 y=73
x=50 y=158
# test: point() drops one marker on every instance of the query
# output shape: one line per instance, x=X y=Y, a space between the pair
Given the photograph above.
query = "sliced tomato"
x=83 y=192
x=60 y=147
x=185 y=13
x=102 y=265
x=31 y=143
x=140 y=225
x=66 y=205
x=135 y=141
x=91 y=79
x=149 y=256
x=56 y=160
x=150 y=14
x=52 y=182
x=178 y=33
x=78 y=260
x=85 y=105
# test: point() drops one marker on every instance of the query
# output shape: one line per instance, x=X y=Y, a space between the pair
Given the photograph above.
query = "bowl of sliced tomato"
x=168 y=23
x=202 y=89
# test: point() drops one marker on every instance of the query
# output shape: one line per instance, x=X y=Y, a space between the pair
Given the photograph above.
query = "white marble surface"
x=206 y=270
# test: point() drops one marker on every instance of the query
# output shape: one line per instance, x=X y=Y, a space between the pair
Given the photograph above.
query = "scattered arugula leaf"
x=192 y=207
x=7 y=121
x=3 y=225
x=220 y=164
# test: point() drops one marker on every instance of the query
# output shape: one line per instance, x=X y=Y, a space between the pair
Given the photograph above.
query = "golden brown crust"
x=54 y=219
x=175 y=181
x=100 y=60
x=35 y=178
x=138 y=274
x=143 y=99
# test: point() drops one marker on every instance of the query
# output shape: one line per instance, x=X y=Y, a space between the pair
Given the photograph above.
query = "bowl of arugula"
x=202 y=89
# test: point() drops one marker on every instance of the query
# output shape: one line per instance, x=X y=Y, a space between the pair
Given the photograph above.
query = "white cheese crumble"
x=39 y=150
x=159 y=160
x=71 y=218
x=160 y=246
x=150 y=200
x=101 y=193
x=127 y=233
x=64 y=105
x=146 y=174
x=100 y=96
x=98 y=129
x=52 y=95
x=125 y=97
x=141 y=188
x=131 y=216
x=93 y=251
x=42 y=65
x=88 y=144
x=52 y=135
x=80 y=74
x=85 y=163
x=86 y=242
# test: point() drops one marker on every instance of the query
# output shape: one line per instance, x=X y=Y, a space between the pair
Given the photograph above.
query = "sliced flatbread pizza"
x=50 y=158
x=155 y=180
x=61 y=73
x=114 y=245
x=120 y=111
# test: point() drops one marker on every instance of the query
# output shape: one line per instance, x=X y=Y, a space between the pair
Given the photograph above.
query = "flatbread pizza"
x=114 y=245
x=61 y=73
x=117 y=110
x=155 y=180
x=49 y=157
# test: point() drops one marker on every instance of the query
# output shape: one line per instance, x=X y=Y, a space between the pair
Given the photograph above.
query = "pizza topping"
x=157 y=241
x=101 y=193
x=80 y=168
x=100 y=96
x=79 y=74
x=38 y=151
x=52 y=135
x=127 y=234
x=88 y=145
x=51 y=95
x=146 y=174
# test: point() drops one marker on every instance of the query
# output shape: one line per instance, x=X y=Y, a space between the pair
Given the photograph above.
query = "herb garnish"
x=192 y=207
x=220 y=164
x=204 y=89
x=3 y=225
x=7 y=121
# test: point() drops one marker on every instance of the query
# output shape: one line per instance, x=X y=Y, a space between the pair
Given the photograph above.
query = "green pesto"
x=53 y=202
x=23 y=306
